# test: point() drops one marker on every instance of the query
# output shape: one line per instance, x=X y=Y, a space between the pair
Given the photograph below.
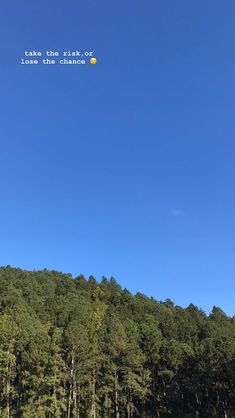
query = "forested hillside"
x=79 y=348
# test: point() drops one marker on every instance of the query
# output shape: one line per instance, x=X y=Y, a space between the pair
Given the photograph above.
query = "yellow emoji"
x=93 y=61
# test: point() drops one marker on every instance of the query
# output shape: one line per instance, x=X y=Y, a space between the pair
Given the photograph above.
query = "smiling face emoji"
x=93 y=61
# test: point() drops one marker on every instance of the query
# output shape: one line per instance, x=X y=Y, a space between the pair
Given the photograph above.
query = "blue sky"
x=126 y=168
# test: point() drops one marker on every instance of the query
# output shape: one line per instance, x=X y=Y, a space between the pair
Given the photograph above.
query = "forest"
x=77 y=347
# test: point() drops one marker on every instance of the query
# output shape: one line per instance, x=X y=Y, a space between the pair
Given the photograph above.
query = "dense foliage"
x=79 y=348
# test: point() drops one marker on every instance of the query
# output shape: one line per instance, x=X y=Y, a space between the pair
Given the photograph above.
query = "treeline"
x=78 y=348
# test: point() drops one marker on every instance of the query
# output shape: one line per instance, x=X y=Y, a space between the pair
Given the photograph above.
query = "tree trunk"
x=71 y=387
x=8 y=385
x=93 y=406
x=117 y=415
x=8 y=399
x=154 y=391
x=198 y=404
x=77 y=402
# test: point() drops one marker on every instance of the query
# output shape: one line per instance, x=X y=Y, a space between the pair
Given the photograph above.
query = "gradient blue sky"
x=126 y=168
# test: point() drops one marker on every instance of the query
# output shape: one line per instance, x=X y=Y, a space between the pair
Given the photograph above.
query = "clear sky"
x=126 y=168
